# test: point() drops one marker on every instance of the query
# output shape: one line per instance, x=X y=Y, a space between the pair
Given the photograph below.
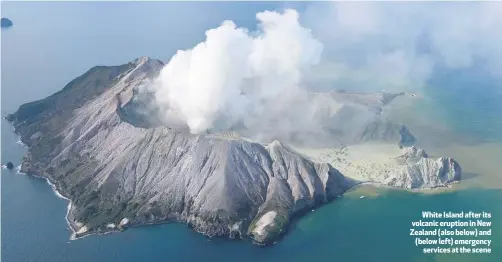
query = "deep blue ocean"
x=44 y=50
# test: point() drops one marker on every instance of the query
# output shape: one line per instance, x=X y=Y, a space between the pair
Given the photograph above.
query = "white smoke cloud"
x=256 y=79
x=236 y=75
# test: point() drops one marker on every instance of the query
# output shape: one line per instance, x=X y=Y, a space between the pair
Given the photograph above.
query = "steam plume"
x=257 y=80
x=236 y=75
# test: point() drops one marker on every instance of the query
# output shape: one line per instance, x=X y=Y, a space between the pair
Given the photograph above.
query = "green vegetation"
x=40 y=123
x=278 y=227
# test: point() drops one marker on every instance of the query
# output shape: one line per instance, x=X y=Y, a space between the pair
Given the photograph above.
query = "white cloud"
x=401 y=44
x=236 y=75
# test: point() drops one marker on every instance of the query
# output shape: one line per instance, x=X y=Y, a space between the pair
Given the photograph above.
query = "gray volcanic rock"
x=9 y=165
x=387 y=164
x=121 y=169
x=332 y=119
x=412 y=155
x=420 y=171
x=427 y=173
x=297 y=185
x=6 y=22
x=113 y=170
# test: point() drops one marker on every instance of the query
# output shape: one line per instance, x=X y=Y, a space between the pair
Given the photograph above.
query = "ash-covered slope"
x=419 y=170
x=388 y=165
x=332 y=119
x=116 y=172
x=119 y=168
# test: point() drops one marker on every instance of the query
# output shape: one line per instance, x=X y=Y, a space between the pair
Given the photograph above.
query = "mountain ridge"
x=117 y=174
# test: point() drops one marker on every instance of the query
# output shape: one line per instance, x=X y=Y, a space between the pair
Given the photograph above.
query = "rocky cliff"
x=121 y=169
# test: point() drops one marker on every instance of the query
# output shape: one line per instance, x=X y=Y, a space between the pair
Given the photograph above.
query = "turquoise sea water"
x=42 y=52
x=348 y=229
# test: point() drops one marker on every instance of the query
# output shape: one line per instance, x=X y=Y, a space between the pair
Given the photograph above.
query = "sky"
x=54 y=42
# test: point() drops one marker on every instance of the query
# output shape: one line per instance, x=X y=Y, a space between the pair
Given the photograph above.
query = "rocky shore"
x=120 y=169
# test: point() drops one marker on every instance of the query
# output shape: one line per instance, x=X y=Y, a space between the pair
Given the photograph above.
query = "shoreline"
x=59 y=195
x=53 y=186
x=75 y=235
x=427 y=190
x=71 y=227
